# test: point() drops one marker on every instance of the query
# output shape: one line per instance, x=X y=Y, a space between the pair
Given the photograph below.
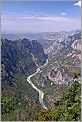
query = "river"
x=41 y=94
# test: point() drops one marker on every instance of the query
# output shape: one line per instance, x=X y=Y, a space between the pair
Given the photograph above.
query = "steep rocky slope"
x=66 y=52
x=65 y=43
x=18 y=57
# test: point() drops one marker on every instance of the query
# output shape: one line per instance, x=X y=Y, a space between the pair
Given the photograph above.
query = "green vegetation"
x=68 y=108
x=9 y=116
x=44 y=115
x=21 y=93
x=7 y=104
x=75 y=74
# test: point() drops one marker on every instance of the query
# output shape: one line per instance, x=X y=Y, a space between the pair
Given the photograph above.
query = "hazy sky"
x=40 y=16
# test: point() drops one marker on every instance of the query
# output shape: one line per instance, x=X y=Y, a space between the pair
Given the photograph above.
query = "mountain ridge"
x=17 y=57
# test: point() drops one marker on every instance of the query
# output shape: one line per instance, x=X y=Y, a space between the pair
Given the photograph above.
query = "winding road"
x=41 y=94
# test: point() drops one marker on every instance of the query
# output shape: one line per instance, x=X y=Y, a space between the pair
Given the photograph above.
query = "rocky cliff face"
x=66 y=51
x=63 y=44
x=17 y=57
x=59 y=76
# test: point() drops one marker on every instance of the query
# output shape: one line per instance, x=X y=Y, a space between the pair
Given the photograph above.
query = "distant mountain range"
x=45 y=38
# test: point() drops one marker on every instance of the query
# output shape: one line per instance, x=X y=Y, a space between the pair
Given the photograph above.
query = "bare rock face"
x=59 y=76
x=76 y=45
x=63 y=44
x=67 y=46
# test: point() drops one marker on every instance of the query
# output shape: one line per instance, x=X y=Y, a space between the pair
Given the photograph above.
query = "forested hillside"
x=67 y=108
